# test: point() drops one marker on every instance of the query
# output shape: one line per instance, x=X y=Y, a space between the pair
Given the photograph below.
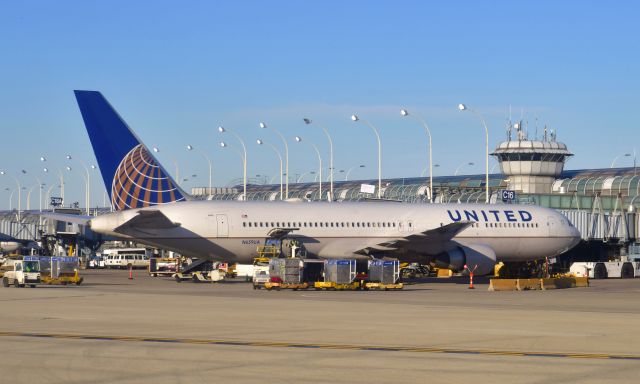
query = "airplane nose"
x=575 y=236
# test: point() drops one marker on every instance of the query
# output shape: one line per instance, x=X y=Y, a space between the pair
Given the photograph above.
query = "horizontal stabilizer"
x=146 y=220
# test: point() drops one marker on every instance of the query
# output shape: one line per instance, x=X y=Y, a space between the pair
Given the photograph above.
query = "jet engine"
x=475 y=254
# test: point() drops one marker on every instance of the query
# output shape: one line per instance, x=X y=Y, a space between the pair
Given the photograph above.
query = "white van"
x=123 y=258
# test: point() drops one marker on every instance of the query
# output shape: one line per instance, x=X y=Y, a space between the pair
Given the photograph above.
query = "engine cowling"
x=480 y=255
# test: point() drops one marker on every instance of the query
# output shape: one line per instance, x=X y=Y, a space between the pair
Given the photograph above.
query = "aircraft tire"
x=600 y=271
x=627 y=271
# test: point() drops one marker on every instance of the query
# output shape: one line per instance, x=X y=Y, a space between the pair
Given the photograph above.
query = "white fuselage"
x=232 y=231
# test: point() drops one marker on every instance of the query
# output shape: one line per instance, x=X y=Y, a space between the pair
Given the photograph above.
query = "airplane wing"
x=146 y=220
x=439 y=235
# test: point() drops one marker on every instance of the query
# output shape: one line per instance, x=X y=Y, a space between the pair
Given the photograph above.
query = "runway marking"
x=352 y=347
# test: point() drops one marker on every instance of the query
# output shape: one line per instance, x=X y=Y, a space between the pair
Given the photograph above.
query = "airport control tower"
x=531 y=166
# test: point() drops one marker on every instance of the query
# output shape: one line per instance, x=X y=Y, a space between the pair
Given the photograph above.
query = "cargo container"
x=339 y=271
x=287 y=271
x=384 y=271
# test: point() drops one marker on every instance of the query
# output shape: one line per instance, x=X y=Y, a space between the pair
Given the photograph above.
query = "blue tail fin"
x=131 y=174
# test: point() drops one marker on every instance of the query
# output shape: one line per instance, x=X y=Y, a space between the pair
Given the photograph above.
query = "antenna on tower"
x=544 y=137
x=536 y=136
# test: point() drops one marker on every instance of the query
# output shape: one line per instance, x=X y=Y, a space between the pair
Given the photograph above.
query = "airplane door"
x=223 y=225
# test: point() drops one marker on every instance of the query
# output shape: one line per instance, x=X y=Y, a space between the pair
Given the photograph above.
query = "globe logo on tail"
x=140 y=182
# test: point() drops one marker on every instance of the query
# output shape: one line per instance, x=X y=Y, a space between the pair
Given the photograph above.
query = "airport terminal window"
x=321 y=223
x=244 y=224
x=394 y=225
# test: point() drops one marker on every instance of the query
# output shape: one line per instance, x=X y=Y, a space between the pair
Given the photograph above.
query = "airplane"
x=10 y=244
x=151 y=208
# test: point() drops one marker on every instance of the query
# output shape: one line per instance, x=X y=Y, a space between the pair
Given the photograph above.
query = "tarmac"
x=112 y=329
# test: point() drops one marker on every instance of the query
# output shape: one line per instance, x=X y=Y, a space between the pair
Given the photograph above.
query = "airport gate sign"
x=56 y=201
x=508 y=195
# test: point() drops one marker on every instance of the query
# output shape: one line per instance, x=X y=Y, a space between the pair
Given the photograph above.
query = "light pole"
x=87 y=189
x=191 y=148
x=10 y=192
x=286 y=156
x=375 y=130
x=299 y=178
x=244 y=161
x=2 y=173
x=346 y=176
x=463 y=107
x=404 y=112
x=48 y=204
x=244 y=158
x=40 y=185
x=261 y=142
x=175 y=163
x=617 y=157
x=299 y=140
x=460 y=166
x=326 y=132
x=60 y=176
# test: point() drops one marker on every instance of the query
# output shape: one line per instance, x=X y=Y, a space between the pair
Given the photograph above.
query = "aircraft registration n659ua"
x=152 y=209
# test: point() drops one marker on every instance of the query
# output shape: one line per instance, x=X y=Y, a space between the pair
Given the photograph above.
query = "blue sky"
x=177 y=70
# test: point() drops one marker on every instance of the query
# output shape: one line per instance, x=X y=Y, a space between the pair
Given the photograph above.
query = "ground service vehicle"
x=23 y=273
x=606 y=269
x=260 y=272
x=123 y=258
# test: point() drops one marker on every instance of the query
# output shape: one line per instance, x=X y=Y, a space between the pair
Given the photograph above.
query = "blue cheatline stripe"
x=279 y=344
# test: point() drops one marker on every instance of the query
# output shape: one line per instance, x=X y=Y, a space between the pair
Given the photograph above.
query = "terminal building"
x=601 y=203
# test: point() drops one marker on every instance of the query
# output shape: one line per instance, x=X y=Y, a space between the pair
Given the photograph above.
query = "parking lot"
x=112 y=329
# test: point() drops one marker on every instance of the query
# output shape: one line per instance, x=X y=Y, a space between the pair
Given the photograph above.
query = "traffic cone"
x=471 y=281
x=131 y=273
